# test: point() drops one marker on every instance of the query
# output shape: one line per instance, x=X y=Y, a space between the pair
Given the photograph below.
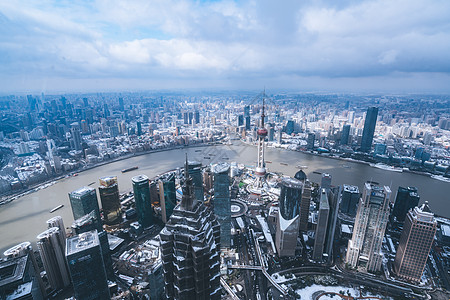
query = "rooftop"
x=82 y=191
x=12 y=270
x=351 y=188
x=291 y=183
x=221 y=167
x=139 y=178
x=82 y=242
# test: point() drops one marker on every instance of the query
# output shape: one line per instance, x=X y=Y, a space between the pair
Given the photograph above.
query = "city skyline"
x=368 y=46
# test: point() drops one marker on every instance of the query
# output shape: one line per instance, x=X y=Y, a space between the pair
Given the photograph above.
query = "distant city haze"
x=24 y=218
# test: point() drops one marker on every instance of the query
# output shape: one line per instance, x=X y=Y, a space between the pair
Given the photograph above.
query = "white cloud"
x=228 y=40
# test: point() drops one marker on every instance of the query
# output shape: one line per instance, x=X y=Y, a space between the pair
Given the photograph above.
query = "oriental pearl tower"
x=260 y=170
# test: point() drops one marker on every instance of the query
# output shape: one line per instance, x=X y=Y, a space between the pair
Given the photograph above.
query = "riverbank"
x=54 y=180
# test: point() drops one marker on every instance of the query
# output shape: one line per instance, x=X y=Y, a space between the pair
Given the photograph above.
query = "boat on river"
x=386 y=167
x=130 y=169
x=56 y=208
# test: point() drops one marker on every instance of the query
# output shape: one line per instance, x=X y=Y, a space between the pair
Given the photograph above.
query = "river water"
x=24 y=218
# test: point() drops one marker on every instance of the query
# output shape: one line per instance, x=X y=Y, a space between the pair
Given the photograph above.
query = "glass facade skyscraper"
x=141 y=189
x=222 y=201
x=369 y=129
x=87 y=270
x=167 y=195
x=83 y=201
x=406 y=199
x=109 y=196
x=195 y=171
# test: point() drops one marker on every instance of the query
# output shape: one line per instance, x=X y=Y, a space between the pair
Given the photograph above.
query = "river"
x=24 y=218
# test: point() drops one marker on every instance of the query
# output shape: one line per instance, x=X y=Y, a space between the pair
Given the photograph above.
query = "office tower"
x=379 y=149
x=334 y=195
x=195 y=170
x=415 y=243
x=222 y=204
x=290 y=127
x=190 y=246
x=369 y=129
x=24 y=249
x=406 y=199
x=139 y=128
x=88 y=223
x=350 y=199
x=86 y=267
x=280 y=137
x=271 y=134
x=19 y=279
x=325 y=183
x=310 y=141
x=121 y=105
x=52 y=255
x=288 y=216
x=322 y=224
x=208 y=179
x=247 y=123
x=58 y=222
x=246 y=111
x=109 y=196
x=76 y=135
x=197 y=117
x=154 y=193
x=83 y=201
x=141 y=189
x=240 y=120
x=304 y=205
x=167 y=194
x=345 y=136
x=364 y=249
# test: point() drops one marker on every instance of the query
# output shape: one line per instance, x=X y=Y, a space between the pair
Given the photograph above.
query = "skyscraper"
x=304 y=205
x=21 y=250
x=369 y=129
x=88 y=223
x=141 y=189
x=350 y=199
x=83 y=201
x=415 y=243
x=19 y=279
x=364 y=249
x=325 y=183
x=310 y=141
x=222 y=204
x=58 y=222
x=109 y=196
x=406 y=199
x=87 y=270
x=52 y=255
x=195 y=170
x=76 y=135
x=167 y=194
x=345 y=134
x=322 y=224
x=288 y=216
x=190 y=246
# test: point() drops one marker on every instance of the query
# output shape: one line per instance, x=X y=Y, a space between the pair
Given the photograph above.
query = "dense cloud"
x=352 y=45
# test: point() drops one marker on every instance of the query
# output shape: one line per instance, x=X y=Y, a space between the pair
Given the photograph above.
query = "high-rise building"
x=415 y=243
x=322 y=225
x=195 y=170
x=141 y=189
x=167 y=194
x=369 y=129
x=208 y=179
x=310 y=141
x=364 y=249
x=58 y=222
x=350 y=199
x=406 y=199
x=52 y=255
x=325 y=183
x=76 y=135
x=87 y=270
x=19 y=279
x=345 y=136
x=20 y=250
x=110 y=198
x=304 y=205
x=222 y=201
x=288 y=216
x=334 y=195
x=190 y=246
x=83 y=201
x=88 y=223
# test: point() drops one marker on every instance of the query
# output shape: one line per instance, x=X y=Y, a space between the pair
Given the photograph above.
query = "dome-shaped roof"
x=300 y=175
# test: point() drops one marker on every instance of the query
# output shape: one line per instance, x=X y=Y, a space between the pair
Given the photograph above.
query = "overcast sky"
x=381 y=45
